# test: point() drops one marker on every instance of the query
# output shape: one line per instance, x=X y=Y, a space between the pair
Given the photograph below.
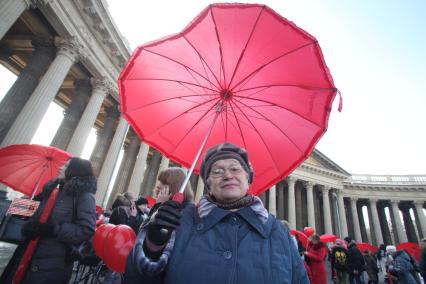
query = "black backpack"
x=340 y=257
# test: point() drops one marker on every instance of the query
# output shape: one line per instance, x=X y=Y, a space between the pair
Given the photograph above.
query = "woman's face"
x=62 y=170
x=227 y=180
x=160 y=186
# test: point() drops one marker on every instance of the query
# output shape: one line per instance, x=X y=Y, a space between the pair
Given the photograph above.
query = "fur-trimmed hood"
x=77 y=185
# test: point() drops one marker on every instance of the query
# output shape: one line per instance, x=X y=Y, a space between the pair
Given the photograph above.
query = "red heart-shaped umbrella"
x=238 y=73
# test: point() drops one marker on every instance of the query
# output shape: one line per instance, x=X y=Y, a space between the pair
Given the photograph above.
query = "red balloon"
x=120 y=242
x=309 y=231
x=99 y=238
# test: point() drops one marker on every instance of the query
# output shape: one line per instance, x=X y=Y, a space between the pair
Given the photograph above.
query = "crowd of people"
x=228 y=237
x=350 y=265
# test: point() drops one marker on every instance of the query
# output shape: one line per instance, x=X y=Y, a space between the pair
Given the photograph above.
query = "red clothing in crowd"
x=316 y=254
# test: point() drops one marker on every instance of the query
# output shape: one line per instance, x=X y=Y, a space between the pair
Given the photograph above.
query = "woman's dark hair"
x=315 y=237
x=78 y=167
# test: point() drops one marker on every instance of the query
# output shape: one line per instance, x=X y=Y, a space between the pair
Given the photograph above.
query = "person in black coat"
x=71 y=222
x=356 y=262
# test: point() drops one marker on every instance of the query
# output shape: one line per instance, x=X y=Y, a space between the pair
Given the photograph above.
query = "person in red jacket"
x=315 y=256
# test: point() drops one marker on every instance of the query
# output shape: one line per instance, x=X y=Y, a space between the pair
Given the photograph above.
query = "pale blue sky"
x=375 y=51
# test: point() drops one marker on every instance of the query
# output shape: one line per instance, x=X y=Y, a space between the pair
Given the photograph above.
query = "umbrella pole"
x=203 y=145
x=38 y=182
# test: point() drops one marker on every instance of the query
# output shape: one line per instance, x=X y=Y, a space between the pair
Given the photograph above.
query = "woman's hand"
x=167 y=217
x=163 y=194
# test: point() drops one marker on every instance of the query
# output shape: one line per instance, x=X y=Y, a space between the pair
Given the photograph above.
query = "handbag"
x=18 y=214
x=11 y=227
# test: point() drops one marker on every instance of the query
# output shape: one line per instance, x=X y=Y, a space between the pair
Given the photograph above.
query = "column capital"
x=373 y=200
x=419 y=203
x=353 y=198
x=325 y=188
x=102 y=85
x=309 y=184
x=394 y=202
x=291 y=179
x=70 y=47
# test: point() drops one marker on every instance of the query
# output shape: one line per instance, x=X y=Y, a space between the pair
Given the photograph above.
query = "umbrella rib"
x=273 y=60
x=309 y=88
x=273 y=104
x=191 y=90
x=188 y=110
x=169 y=99
x=193 y=126
x=238 y=124
x=222 y=68
x=180 y=63
x=203 y=62
x=245 y=47
x=276 y=126
x=260 y=136
x=170 y=80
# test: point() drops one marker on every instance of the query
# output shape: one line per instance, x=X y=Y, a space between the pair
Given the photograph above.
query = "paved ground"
x=6 y=251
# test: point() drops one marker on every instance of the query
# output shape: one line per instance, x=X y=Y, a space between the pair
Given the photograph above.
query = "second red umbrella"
x=27 y=167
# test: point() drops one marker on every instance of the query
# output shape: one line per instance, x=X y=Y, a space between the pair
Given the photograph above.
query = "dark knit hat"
x=225 y=151
x=348 y=239
x=141 y=200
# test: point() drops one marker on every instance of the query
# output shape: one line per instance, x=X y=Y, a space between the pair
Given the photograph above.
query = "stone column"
x=280 y=201
x=200 y=190
x=110 y=160
x=126 y=166
x=27 y=81
x=104 y=138
x=163 y=165
x=357 y=228
x=78 y=140
x=139 y=170
x=72 y=114
x=402 y=237
x=310 y=201
x=328 y=226
x=291 y=202
x=376 y=222
x=387 y=239
x=273 y=201
x=421 y=216
x=10 y=11
x=28 y=120
x=409 y=226
x=342 y=215
x=151 y=173
x=263 y=198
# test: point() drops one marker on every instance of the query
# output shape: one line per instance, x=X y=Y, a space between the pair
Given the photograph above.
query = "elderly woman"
x=228 y=238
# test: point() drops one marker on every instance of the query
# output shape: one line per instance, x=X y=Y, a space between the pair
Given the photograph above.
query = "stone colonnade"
x=331 y=211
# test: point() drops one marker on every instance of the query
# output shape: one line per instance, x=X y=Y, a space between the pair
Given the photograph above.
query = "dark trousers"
x=355 y=279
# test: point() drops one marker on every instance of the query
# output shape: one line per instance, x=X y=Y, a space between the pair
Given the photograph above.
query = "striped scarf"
x=206 y=205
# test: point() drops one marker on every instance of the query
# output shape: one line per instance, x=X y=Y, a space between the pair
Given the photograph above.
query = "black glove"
x=46 y=230
x=31 y=230
x=167 y=217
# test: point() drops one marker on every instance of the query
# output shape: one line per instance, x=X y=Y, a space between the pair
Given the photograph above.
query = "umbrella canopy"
x=259 y=78
x=412 y=248
x=366 y=246
x=301 y=236
x=26 y=168
x=328 y=238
